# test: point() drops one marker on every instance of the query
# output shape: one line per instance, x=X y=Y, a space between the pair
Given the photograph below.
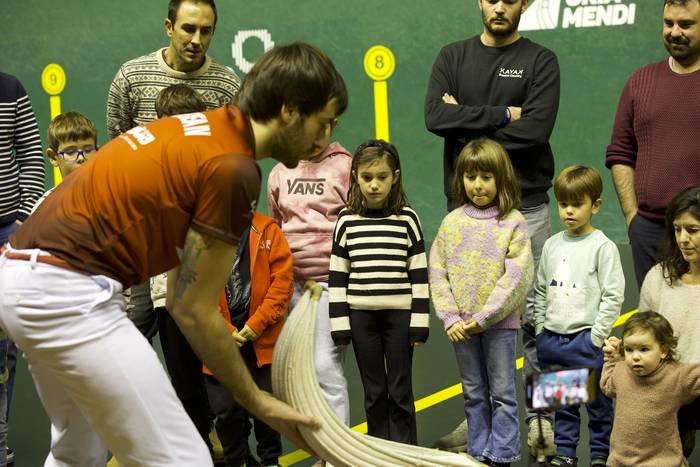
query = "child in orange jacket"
x=254 y=304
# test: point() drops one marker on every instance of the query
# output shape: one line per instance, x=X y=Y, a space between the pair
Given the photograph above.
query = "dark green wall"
x=90 y=39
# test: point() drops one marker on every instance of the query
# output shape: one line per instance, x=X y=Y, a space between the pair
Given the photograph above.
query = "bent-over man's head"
x=297 y=88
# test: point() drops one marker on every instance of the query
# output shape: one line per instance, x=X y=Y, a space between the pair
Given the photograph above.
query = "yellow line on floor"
x=426 y=402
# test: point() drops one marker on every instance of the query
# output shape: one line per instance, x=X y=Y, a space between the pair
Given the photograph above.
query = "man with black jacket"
x=505 y=87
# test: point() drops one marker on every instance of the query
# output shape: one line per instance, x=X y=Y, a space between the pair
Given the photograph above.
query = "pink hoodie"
x=306 y=201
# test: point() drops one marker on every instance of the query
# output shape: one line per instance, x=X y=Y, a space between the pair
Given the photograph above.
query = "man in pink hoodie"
x=306 y=201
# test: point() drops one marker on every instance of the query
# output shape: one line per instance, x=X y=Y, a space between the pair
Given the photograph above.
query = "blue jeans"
x=571 y=351
x=487 y=367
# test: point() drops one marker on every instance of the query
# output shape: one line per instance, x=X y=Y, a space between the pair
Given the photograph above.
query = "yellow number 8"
x=379 y=63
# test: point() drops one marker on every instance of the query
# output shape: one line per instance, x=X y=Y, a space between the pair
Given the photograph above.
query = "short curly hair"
x=655 y=324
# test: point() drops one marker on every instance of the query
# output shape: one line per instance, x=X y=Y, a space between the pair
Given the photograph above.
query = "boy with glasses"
x=72 y=141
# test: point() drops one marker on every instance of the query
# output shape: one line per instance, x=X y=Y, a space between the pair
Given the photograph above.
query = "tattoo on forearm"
x=195 y=244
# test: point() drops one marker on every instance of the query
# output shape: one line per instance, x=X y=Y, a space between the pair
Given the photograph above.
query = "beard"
x=680 y=54
x=501 y=30
x=288 y=145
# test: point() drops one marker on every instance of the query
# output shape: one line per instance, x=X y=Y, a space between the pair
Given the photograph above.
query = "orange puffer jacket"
x=272 y=285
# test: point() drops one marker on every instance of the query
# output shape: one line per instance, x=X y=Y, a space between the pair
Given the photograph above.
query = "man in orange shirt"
x=173 y=195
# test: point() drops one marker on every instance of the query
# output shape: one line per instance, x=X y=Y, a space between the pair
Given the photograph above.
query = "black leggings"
x=384 y=356
x=688 y=423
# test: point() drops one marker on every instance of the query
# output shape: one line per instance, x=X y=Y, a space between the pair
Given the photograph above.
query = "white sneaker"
x=456 y=441
x=533 y=434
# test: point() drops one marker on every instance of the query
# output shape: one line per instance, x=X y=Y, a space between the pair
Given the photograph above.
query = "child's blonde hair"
x=486 y=155
x=657 y=326
x=576 y=181
x=70 y=126
x=366 y=153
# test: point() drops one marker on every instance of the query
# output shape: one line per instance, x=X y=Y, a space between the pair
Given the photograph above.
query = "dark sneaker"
x=599 y=461
x=558 y=461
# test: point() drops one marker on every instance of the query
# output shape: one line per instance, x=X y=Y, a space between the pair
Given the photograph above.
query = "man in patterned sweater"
x=131 y=101
x=190 y=26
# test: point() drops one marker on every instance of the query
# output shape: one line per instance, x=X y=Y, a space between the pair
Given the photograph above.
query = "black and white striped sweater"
x=378 y=263
x=21 y=161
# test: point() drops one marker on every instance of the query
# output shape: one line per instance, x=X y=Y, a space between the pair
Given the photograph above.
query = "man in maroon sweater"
x=655 y=147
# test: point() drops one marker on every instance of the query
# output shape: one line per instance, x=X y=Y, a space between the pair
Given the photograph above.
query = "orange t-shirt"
x=127 y=210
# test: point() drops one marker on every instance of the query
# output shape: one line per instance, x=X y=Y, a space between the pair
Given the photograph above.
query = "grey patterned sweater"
x=133 y=92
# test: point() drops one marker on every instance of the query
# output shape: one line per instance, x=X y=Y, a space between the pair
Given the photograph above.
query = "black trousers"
x=646 y=237
x=384 y=356
x=688 y=423
x=232 y=419
x=185 y=370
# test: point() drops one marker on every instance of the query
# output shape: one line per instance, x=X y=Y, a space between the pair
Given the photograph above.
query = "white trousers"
x=328 y=357
x=99 y=380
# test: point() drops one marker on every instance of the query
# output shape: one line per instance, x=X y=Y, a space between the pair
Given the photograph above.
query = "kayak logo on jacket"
x=545 y=14
x=306 y=186
x=510 y=73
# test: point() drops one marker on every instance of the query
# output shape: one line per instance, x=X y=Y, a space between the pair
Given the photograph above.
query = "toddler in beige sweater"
x=641 y=371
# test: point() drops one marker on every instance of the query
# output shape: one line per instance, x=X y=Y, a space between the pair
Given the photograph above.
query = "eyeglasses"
x=74 y=155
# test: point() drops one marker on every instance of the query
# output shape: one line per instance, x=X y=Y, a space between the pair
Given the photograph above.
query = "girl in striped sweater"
x=480 y=272
x=378 y=288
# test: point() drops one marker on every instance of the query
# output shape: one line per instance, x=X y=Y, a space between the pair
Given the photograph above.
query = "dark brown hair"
x=371 y=151
x=672 y=262
x=70 y=126
x=178 y=99
x=297 y=75
x=657 y=326
x=174 y=6
x=577 y=181
x=676 y=2
x=486 y=155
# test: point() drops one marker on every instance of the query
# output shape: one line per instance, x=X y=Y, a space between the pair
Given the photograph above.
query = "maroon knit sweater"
x=657 y=131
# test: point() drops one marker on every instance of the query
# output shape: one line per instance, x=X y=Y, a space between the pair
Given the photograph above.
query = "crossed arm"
x=192 y=300
x=530 y=124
